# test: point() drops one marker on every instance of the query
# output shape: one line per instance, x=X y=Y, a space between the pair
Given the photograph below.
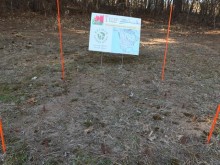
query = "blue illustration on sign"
x=126 y=41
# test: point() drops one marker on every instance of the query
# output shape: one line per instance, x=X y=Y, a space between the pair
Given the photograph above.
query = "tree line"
x=203 y=11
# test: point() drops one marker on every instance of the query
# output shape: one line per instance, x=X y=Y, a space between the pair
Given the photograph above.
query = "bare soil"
x=112 y=113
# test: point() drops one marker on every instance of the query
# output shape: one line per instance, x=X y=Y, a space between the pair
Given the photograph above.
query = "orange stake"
x=2 y=137
x=167 y=39
x=60 y=35
x=213 y=124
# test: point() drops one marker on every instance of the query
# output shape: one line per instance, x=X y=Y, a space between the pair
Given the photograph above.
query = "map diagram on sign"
x=126 y=39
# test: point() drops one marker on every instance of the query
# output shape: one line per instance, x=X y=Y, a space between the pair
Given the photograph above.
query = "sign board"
x=114 y=34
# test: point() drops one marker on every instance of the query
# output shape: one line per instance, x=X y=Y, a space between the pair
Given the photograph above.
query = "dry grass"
x=109 y=114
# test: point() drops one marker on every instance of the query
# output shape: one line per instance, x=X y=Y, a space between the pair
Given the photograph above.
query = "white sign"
x=114 y=34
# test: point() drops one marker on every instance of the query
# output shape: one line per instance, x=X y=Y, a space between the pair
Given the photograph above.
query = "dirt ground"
x=112 y=113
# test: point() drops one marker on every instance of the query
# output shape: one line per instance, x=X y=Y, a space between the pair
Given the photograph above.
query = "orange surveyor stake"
x=60 y=35
x=168 y=33
x=2 y=137
x=213 y=124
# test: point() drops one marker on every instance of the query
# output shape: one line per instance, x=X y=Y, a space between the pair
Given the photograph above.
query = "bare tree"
x=177 y=7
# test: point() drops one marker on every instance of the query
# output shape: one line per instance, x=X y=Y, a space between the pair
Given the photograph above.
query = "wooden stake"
x=2 y=137
x=60 y=36
x=167 y=39
x=213 y=124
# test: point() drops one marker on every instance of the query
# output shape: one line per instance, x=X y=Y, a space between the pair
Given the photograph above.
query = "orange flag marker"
x=167 y=39
x=60 y=36
x=2 y=137
x=213 y=124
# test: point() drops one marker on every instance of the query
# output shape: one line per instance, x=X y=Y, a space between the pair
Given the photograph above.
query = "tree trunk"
x=127 y=2
x=191 y=7
x=97 y=5
x=161 y=7
x=177 y=8
x=2 y=6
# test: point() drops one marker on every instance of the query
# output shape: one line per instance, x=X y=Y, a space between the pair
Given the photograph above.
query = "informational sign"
x=114 y=34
